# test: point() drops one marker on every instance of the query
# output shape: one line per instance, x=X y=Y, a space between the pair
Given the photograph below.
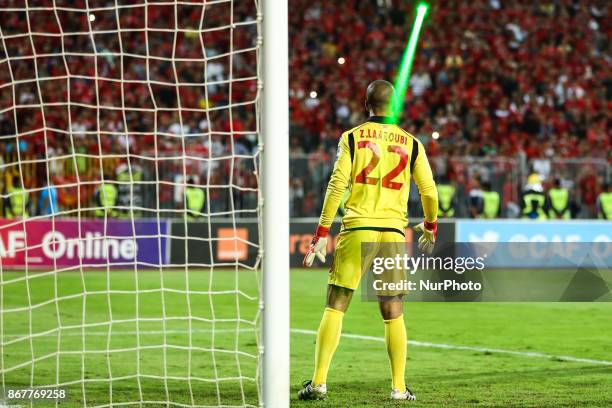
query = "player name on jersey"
x=391 y=137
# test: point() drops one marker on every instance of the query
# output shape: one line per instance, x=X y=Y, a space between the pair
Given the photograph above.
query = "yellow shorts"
x=347 y=267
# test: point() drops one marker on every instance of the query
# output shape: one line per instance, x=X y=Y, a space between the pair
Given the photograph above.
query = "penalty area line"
x=470 y=348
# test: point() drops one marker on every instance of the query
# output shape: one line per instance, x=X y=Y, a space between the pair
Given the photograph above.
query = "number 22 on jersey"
x=387 y=180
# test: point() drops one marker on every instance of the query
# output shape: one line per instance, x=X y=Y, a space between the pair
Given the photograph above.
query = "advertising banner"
x=220 y=243
x=69 y=242
x=533 y=231
x=540 y=244
x=224 y=243
x=88 y=243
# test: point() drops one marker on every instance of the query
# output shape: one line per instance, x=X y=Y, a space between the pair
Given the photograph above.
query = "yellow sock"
x=328 y=338
x=395 y=340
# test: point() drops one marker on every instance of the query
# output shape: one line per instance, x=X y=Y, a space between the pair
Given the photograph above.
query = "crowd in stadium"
x=529 y=83
x=88 y=90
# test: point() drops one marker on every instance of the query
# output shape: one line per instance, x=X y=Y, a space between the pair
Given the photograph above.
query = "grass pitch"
x=153 y=366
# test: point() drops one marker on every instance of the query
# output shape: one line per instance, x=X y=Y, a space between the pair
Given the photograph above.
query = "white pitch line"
x=415 y=343
x=470 y=348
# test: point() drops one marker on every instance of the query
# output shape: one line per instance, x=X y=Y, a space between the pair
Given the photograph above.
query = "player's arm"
x=423 y=178
x=338 y=183
x=336 y=188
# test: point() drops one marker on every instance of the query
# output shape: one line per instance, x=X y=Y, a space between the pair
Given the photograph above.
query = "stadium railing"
x=308 y=179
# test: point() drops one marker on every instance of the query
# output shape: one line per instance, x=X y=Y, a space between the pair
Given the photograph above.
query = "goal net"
x=130 y=237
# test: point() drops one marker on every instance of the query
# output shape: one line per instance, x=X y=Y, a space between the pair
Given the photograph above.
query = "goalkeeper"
x=376 y=159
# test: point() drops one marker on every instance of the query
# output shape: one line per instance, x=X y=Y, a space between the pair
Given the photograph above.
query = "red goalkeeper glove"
x=429 y=232
x=318 y=246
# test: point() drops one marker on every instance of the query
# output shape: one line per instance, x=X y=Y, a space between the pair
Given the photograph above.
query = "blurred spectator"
x=604 y=203
x=106 y=199
x=446 y=198
x=18 y=201
x=534 y=203
x=47 y=201
x=195 y=199
x=420 y=82
x=476 y=198
x=559 y=201
x=129 y=190
x=296 y=197
x=491 y=202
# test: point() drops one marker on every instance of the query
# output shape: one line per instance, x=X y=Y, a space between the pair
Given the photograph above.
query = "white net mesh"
x=129 y=243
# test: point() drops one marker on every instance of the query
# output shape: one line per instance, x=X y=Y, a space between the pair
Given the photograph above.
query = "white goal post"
x=276 y=288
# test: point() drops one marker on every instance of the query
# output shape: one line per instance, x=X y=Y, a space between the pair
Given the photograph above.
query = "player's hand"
x=429 y=231
x=318 y=246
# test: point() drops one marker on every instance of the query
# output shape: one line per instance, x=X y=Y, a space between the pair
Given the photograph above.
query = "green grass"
x=359 y=376
x=213 y=327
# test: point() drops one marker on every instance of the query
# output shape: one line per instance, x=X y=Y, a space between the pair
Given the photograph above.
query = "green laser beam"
x=403 y=76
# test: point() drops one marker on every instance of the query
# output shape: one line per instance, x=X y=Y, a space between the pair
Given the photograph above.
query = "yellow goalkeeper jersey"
x=375 y=161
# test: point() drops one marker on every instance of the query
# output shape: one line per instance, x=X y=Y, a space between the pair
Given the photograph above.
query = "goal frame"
x=275 y=192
